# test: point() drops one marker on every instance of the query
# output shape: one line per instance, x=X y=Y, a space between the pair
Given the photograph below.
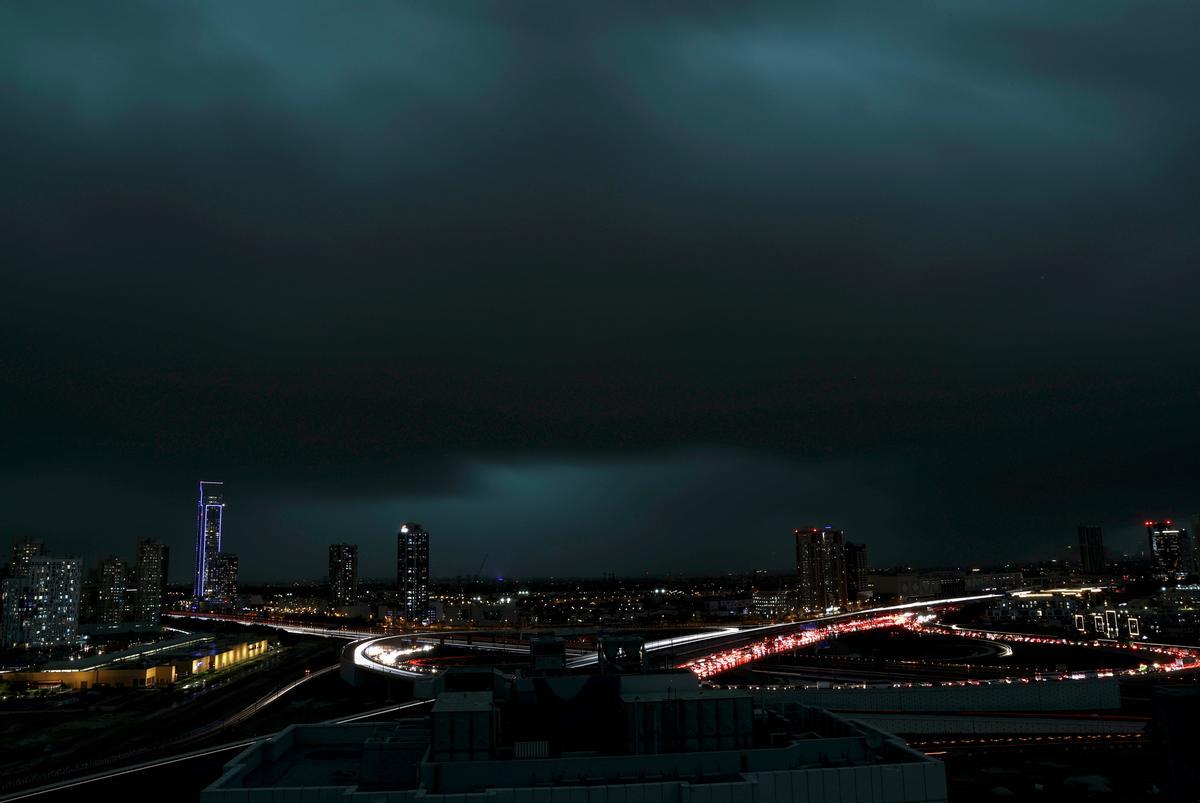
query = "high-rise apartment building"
x=41 y=608
x=343 y=573
x=210 y=512
x=152 y=559
x=1091 y=549
x=856 y=572
x=821 y=565
x=412 y=571
x=110 y=591
x=22 y=550
x=16 y=611
x=1170 y=550
x=227 y=576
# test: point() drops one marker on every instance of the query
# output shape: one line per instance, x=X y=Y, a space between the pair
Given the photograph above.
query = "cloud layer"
x=935 y=259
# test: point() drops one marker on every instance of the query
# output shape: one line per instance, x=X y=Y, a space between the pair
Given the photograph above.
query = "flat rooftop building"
x=655 y=738
x=157 y=664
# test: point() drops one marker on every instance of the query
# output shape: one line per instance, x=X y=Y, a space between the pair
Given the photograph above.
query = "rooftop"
x=599 y=735
x=132 y=655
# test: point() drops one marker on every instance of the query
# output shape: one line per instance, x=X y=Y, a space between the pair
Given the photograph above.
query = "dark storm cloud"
x=934 y=258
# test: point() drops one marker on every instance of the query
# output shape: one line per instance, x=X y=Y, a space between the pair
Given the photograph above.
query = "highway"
x=255 y=707
x=578 y=659
x=985 y=744
x=373 y=654
x=712 y=651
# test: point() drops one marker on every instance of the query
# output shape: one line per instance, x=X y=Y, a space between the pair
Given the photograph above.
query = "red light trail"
x=715 y=664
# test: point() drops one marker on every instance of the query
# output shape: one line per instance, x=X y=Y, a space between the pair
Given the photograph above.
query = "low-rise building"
x=158 y=664
x=772 y=603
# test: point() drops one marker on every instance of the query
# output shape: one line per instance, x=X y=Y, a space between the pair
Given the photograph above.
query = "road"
x=678 y=646
x=255 y=707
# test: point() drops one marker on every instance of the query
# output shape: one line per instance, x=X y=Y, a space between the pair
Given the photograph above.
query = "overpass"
x=407 y=656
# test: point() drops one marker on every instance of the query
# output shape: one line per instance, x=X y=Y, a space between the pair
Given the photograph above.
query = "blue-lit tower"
x=210 y=511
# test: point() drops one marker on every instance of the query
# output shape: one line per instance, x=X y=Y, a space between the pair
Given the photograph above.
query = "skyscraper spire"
x=210 y=512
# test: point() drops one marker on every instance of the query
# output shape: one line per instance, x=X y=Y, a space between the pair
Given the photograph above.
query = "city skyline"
x=379 y=565
x=796 y=399
x=259 y=523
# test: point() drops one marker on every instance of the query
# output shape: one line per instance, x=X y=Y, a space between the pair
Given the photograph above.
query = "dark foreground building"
x=639 y=738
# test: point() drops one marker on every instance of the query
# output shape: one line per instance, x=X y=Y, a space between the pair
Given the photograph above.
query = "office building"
x=412 y=571
x=821 y=565
x=857 y=588
x=22 y=550
x=343 y=573
x=41 y=608
x=771 y=603
x=1170 y=550
x=152 y=559
x=210 y=513
x=1091 y=549
x=227 y=576
x=110 y=591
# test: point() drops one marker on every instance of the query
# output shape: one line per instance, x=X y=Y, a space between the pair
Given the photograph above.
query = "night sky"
x=598 y=287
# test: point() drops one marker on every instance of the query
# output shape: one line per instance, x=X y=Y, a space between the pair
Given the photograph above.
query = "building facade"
x=110 y=591
x=159 y=664
x=227 y=576
x=152 y=560
x=41 y=608
x=771 y=603
x=343 y=573
x=412 y=571
x=821 y=565
x=1170 y=550
x=857 y=585
x=1091 y=549
x=22 y=550
x=210 y=513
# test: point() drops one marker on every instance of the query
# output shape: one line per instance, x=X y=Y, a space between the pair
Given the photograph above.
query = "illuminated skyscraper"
x=1091 y=549
x=152 y=580
x=110 y=591
x=821 y=564
x=1170 y=550
x=343 y=573
x=412 y=571
x=210 y=511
